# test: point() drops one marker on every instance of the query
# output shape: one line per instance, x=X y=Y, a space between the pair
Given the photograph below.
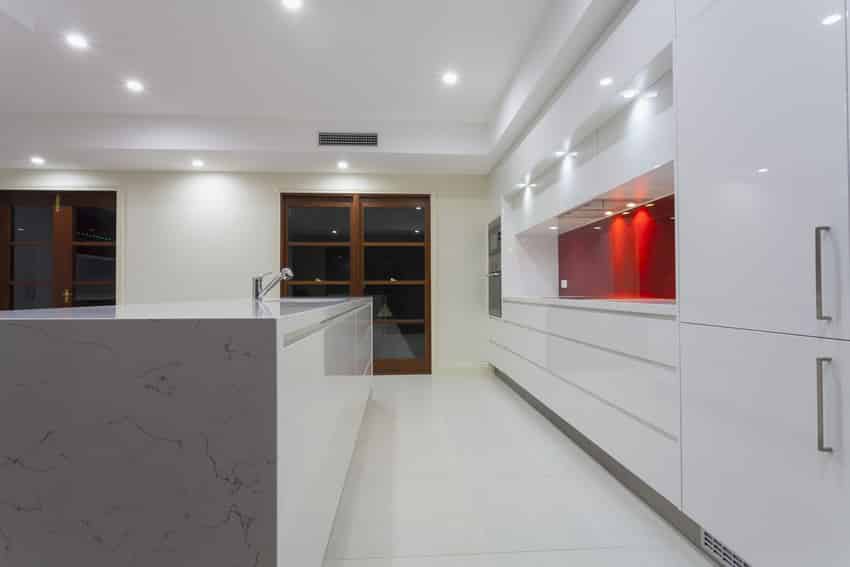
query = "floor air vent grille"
x=347 y=139
x=720 y=552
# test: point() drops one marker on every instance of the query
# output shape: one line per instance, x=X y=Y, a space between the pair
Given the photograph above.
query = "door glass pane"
x=325 y=263
x=94 y=263
x=32 y=223
x=93 y=224
x=391 y=224
x=399 y=263
x=32 y=263
x=318 y=224
x=399 y=341
x=89 y=295
x=398 y=302
x=30 y=297
x=318 y=291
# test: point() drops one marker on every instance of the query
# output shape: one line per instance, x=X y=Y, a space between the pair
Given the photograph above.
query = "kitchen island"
x=194 y=434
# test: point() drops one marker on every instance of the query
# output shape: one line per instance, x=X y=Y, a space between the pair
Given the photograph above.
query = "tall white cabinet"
x=762 y=162
x=754 y=475
x=764 y=276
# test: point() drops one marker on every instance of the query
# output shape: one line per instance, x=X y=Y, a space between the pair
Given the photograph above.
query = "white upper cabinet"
x=754 y=475
x=762 y=162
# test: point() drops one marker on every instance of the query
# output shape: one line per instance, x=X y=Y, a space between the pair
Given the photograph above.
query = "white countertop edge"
x=656 y=308
x=273 y=309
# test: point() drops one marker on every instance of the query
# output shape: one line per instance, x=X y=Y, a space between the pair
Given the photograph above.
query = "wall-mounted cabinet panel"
x=753 y=472
x=762 y=163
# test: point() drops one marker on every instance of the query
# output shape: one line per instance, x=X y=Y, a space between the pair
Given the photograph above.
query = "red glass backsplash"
x=631 y=257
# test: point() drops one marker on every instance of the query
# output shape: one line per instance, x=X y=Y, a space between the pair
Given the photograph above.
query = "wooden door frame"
x=63 y=269
x=313 y=200
x=357 y=253
x=5 y=255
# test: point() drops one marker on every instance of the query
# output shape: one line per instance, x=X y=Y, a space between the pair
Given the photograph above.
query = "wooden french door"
x=57 y=249
x=367 y=245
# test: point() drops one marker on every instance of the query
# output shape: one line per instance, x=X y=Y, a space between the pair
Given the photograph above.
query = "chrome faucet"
x=258 y=291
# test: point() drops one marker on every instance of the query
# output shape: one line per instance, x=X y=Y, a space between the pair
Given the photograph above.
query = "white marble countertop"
x=659 y=307
x=226 y=309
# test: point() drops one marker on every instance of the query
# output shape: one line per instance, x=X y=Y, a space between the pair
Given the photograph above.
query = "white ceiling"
x=246 y=85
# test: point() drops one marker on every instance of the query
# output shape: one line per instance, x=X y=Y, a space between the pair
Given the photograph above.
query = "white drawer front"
x=753 y=475
x=653 y=457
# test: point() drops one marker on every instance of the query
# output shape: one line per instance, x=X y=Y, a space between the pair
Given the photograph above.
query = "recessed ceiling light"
x=134 y=86
x=762 y=170
x=831 y=19
x=450 y=78
x=77 y=41
x=609 y=213
x=597 y=228
x=342 y=164
x=293 y=5
x=606 y=82
x=631 y=205
x=553 y=228
x=198 y=163
x=627 y=213
x=37 y=160
x=629 y=93
x=560 y=154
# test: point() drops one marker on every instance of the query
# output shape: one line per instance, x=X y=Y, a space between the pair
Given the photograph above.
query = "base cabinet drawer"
x=757 y=473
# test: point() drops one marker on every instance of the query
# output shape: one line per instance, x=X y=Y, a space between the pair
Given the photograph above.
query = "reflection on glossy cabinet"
x=762 y=162
x=754 y=474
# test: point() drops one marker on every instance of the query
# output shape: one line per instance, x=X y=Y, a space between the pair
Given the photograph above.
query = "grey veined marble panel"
x=137 y=443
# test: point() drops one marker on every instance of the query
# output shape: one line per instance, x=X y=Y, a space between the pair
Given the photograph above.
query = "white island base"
x=205 y=434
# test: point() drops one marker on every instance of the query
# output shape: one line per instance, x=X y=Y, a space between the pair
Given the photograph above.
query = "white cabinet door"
x=762 y=162
x=753 y=475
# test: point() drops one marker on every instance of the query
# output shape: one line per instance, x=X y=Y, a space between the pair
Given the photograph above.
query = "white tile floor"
x=455 y=471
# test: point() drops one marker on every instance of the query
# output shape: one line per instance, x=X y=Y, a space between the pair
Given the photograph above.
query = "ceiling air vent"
x=347 y=139
x=720 y=552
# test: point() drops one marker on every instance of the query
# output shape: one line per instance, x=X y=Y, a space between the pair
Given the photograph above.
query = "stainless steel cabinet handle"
x=494 y=274
x=819 y=274
x=821 y=445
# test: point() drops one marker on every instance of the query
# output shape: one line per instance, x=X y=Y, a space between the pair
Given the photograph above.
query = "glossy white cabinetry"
x=323 y=389
x=753 y=474
x=611 y=374
x=762 y=161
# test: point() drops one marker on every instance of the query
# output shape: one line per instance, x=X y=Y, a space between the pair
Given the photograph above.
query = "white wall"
x=203 y=235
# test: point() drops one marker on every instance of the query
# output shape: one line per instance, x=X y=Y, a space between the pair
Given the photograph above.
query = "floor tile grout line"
x=624 y=547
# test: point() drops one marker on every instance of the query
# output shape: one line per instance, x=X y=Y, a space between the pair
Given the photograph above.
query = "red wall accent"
x=632 y=256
